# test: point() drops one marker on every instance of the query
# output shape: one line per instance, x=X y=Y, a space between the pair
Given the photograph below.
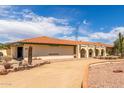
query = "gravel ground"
x=102 y=76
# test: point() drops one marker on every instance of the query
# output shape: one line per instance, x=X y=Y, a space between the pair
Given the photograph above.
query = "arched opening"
x=90 y=53
x=102 y=52
x=83 y=53
x=97 y=52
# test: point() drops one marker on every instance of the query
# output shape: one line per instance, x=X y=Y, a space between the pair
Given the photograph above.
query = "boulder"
x=47 y=62
x=30 y=66
x=7 y=65
x=10 y=70
x=15 y=65
x=2 y=67
x=21 y=68
x=3 y=72
x=24 y=63
x=15 y=69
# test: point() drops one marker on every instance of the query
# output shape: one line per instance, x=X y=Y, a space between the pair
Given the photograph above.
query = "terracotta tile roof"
x=49 y=40
x=102 y=44
x=107 y=45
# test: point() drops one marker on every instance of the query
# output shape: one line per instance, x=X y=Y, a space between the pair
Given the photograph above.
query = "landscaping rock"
x=15 y=65
x=15 y=69
x=47 y=62
x=21 y=68
x=24 y=63
x=20 y=65
x=2 y=67
x=7 y=65
x=7 y=58
x=10 y=70
x=30 y=66
x=3 y=72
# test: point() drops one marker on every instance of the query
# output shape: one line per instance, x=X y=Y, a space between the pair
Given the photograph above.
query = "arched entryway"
x=97 y=52
x=90 y=53
x=83 y=53
x=102 y=52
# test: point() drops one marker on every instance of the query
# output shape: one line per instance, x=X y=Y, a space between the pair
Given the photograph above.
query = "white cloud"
x=4 y=10
x=16 y=25
x=84 y=27
x=80 y=38
x=110 y=36
x=22 y=24
x=25 y=29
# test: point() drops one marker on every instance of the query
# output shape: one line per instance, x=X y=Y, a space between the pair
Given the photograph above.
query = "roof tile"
x=49 y=40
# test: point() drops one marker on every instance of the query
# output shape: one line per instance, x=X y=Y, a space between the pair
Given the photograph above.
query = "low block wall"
x=53 y=57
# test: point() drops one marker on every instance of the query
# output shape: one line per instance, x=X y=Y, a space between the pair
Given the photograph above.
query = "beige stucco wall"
x=13 y=51
x=92 y=47
x=87 y=48
x=78 y=51
x=43 y=51
x=4 y=51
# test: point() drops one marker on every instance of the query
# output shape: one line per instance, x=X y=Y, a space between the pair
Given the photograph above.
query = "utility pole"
x=76 y=32
x=76 y=35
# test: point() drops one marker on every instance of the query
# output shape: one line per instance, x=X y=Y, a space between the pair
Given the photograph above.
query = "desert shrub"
x=7 y=58
x=7 y=65
x=3 y=72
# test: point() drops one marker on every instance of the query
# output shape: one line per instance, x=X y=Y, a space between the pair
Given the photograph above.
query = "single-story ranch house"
x=52 y=48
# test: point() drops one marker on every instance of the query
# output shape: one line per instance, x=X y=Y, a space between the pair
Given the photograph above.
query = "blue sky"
x=93 y=23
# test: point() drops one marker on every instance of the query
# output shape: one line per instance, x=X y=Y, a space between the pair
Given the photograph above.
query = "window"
x=53 y=54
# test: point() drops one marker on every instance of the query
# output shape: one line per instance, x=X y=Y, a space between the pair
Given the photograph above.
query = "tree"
x=4 y=46
x=121 y=39
x=115 y=48
x=119 y=45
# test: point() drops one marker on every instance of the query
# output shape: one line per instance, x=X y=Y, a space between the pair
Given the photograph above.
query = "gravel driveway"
x=102 y=76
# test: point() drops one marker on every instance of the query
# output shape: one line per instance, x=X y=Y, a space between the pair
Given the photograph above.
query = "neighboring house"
x=52 y=48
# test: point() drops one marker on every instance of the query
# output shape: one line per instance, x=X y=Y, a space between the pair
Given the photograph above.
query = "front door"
x=20 y=52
